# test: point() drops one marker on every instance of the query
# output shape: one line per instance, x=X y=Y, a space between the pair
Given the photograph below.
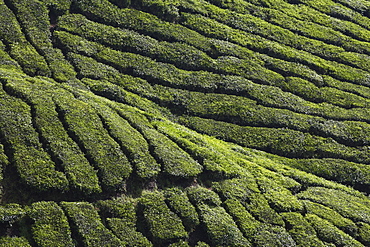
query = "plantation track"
x=185 y=123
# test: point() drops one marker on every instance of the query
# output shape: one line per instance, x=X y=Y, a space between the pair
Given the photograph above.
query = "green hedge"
x=236 y=188
x=32 y=162
x=332 y=216
x=199 y=195
x=282 y=18
x=270 y=236
x=86 y=221
x=281 y=141
x=182 y=55
x=169 y=75
x=245 y=221
x=259 y=207
x=179 y=203
x=255 y=25
x=101 y=149
x=131 y=141
x=63 y=149
x=280 y=12
x=341 y=171
x=353 y=207
x=14 y=242
x=11 y=213
x=363 y=233
x=220 y=227
x=176 y=162
x=121 y=218
x=280 y=198
x=50 y=227
x=19 y=48
x=163 y=224
x=6 y=61
x=58 y=7
x=214 y=29
x=340 y=12
x=329 y=233
x=301 y=231
x=127 y=234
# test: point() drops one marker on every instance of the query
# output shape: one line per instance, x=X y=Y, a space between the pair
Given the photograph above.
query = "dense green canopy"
x=185 y=123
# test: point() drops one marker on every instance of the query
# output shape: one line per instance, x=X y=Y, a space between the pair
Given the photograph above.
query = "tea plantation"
x=185 y=123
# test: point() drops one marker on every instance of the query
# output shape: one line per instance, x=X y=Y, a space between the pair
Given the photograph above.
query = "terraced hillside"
x=185 y=123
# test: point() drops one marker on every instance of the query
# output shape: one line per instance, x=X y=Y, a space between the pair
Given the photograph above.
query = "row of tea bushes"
x=255 y=25
x=34 y=19
x=121 y=218
x=181 y=55
x=131 y=141
x=169 y=75
x=282 y=13
x=148 y=221
x=280 y=141
x=86 y=221
x=21 y=140
x=51 y=227
x=174 y=160
x=101 y=149
x=212 y=28
x=152 y=26
x=250 y=114
x=339 y=11
x=64 y=151
x=18 y=46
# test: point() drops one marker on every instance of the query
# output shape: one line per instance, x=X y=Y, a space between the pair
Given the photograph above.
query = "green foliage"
x=51 y=227
x=164 y=225
x=64 y=150
x=176 y=162
x=245 y=221
x=268 y=235
x=259 y=207
x=122 y=3
x=329 y=233
x=86 y=221
x=33 y=164
x=121 y=219
x=301 y=231
x=220 y=226
x=11 y=213
x=182 y=55
x=88 y=130
x=199 y=195
x=284 y=142
x=179 y=203
x=332 y=216
x=287 y=77
x=14 y=242
x=58 y=6
x=237 y=188
x=364 y=230
x=280 y=198
x=130 y=140
x=353 y=207
x=18 y=46
x=126 y=233
x=334 y=169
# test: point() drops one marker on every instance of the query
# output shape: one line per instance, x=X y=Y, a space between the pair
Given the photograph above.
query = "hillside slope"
x=184 y=123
